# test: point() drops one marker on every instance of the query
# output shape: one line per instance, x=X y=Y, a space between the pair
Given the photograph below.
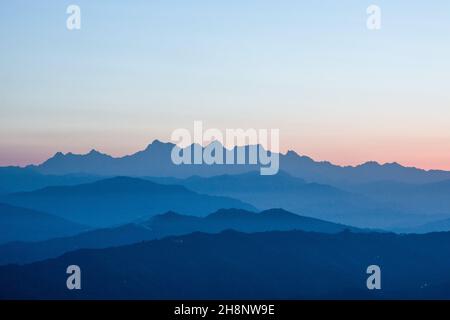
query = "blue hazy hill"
x=427 y=199
x=246 y=182
x=163 y=225
x=119 y=200
x=232 y=265
x=29 y=225
x=14 y=179
x=25 y=252
x=435 y=226
x=383 y=204
x=296 y=195
x=172 y=223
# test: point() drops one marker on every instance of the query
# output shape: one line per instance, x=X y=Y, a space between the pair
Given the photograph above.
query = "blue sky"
x=137 y=70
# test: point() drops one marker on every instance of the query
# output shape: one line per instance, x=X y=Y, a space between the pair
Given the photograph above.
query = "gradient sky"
x=137 y=70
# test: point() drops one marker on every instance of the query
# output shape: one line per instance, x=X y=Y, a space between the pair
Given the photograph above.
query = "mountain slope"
x=231 y=265
x=20 y=224
x=119 y=200
x=15 y=179
x=164 y=225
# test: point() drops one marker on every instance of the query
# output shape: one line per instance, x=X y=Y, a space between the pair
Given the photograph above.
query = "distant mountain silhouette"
x=426 y=199
x=73 y=163
x=296 y=195
x=241 y=220
x=237 y=183
x=14 y=179
x=29 y=225
x=382 y=204
x=155 y=160
x=326 y=172
x=119 y=200
x=232 y=265
x=167 y=224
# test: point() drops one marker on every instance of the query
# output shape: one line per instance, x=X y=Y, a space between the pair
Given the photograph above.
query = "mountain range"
x=167 y=224
x=155 y=161
x=427 y=199
x=119 y=200
x=15 y=179
x=310 y=199
x=381 y=204
x=20 y=224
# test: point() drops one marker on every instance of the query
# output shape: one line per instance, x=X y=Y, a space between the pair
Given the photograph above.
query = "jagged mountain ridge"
x=155 y=161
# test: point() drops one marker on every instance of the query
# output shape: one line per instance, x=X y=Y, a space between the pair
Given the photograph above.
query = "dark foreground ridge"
x=233 y=265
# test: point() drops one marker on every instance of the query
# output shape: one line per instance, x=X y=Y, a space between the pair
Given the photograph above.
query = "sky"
x=138 y=70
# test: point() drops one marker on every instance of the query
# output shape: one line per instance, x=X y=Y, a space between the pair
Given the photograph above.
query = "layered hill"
x=167 y=224
x=119 y=200
x=21 y=224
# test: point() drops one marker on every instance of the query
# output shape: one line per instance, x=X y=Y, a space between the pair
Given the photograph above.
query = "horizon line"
x=93 y=150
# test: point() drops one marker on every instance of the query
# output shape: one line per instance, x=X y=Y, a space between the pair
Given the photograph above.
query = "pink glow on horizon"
x=426 y=156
